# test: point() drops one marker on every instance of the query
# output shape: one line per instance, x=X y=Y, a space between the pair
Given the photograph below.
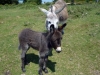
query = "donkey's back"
x=30 y=38
x=63 y=15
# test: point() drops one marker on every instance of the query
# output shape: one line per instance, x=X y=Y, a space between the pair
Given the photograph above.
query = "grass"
x=80 y=44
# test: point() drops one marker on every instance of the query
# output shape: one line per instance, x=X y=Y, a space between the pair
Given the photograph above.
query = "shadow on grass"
x=35 y=59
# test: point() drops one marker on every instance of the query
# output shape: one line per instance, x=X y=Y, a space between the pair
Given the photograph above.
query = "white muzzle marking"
x=58 y=49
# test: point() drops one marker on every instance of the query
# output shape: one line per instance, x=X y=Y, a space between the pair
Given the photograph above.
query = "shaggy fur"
x=43 y=42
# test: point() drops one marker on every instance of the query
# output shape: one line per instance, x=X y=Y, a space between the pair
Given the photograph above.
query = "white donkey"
x=56 y=14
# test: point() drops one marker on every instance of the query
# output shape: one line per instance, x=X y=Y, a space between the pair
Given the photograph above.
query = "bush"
x=16 y=1
x=48 y=3
x=8 y=1
x=34 y=1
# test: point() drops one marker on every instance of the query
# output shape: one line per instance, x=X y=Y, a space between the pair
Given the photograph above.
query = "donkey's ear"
x=44 y=10
x=52 y=28
x=51 y=8
x=60 y=28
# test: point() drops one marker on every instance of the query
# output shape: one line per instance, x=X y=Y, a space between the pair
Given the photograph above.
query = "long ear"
x=60 y=28
x=59 y=10
x=51 y=32
x=51 y=8
x=44 y=10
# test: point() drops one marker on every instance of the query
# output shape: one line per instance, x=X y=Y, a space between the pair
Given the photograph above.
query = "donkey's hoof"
x=23 y=70
x=40 y=73
x=46 y=71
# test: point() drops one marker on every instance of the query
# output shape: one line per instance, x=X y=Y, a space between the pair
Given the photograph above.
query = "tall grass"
x=80 y=44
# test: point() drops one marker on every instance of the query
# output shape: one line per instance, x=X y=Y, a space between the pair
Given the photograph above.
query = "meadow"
x=80 y=44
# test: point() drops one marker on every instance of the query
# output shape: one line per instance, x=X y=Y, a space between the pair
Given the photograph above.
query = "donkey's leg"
x=45 y=63
x=23 y=60
x=41 y=62
x=26 y=63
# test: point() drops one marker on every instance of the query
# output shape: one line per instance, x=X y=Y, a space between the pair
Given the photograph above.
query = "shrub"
x=8 y=1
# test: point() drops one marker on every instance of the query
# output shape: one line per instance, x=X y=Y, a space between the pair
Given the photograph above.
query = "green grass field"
x=80 y=44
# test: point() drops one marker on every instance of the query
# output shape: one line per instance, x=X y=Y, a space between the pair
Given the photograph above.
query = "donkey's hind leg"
x=23 y=60
x=23 y=57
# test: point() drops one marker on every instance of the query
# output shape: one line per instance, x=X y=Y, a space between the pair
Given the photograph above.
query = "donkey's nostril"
x=58 y=51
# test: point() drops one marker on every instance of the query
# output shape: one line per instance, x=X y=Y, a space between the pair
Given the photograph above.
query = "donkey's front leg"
x=41 y=62
x=45 y=63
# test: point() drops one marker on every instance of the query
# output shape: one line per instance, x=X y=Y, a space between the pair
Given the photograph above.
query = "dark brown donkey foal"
x=43 y=42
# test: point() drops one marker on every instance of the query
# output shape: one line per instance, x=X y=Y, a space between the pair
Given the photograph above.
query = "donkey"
x=43 y=42
x=57 y=14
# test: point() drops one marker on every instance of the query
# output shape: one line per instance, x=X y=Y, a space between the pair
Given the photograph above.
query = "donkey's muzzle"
x=58 y=50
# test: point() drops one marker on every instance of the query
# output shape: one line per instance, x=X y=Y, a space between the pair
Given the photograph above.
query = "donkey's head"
x=51 y=16
x=55 y=40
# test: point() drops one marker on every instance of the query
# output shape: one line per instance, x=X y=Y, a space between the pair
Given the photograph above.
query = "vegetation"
x=16 y=1
x=34 y=1
x=38 y=2
x=8 y=1
x=80 y=44
x=79 y=1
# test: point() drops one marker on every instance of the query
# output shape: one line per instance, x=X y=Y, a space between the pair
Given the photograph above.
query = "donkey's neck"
x=48 y=37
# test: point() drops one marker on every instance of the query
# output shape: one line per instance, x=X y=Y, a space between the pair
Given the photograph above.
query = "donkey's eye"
x=49 y=22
